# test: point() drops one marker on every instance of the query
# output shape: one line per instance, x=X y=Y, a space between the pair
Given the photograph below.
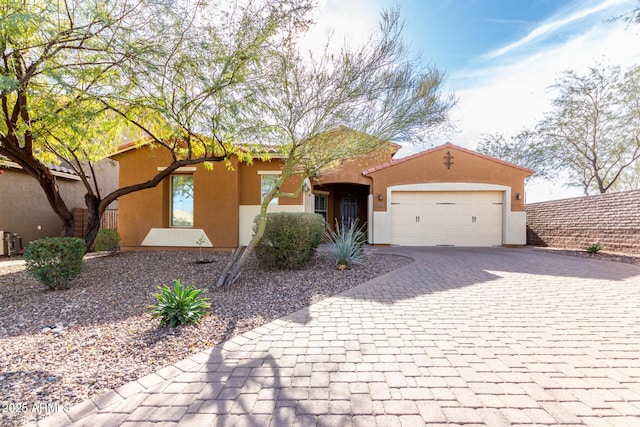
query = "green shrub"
x=55 y=261
x=290 y=239
x=107 y=240
x=347 y=244
x=180 y=305
x=595 y=248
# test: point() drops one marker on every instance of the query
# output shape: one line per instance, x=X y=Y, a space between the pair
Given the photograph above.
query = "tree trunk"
x=50 y=187
x=241 y=255
x=93 y=224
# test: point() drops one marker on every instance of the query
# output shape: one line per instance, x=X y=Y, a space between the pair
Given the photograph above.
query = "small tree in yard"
x=377 y=90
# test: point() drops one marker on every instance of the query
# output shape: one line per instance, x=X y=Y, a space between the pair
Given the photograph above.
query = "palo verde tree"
x=76 y=76
x=523 y=149
x=593 y=130
x=377 y=91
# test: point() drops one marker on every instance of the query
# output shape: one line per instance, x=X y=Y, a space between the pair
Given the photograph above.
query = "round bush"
x=55 y=261
x=108 y=240
x=290 y=239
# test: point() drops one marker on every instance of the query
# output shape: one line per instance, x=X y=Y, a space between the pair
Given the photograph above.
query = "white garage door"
x=458 y=218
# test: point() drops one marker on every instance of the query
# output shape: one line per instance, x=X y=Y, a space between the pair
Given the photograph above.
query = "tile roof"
x=60 y=169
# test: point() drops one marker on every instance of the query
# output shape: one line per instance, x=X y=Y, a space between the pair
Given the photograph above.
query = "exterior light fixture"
x=379 y=196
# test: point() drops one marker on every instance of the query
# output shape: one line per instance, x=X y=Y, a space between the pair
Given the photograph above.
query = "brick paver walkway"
x=459 y=337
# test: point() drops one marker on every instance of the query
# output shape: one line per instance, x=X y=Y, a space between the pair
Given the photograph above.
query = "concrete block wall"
x=612 y=219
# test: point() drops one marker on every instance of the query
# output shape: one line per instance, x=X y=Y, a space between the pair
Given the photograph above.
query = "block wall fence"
x=612 y=220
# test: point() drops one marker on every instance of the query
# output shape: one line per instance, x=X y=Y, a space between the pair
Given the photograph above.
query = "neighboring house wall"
x=612 y=220
x=24 y=208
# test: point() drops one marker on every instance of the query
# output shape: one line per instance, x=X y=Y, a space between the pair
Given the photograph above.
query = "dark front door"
x=348 y=211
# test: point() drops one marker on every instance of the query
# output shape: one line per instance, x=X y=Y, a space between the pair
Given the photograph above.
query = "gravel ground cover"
x=606 y=256
x=62 y=347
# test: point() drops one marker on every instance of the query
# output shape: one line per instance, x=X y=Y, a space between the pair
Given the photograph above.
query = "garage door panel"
x=446 y=218
x=404 y=220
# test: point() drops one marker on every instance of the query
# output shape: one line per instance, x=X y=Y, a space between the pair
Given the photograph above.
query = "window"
x=268 y=183
x=181 y=201
x=321 y=205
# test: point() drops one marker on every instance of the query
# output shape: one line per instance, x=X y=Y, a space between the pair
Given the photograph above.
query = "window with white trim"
x=181 y=202
x=321 y=202
x=268 y=182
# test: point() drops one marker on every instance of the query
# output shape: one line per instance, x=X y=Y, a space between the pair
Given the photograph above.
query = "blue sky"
x=500 y=56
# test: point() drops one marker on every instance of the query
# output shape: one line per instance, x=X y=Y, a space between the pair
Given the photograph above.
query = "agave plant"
x=347 y=244
x=594 y=249
x=180 y=305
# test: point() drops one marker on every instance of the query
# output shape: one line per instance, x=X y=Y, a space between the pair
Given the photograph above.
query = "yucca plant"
x=180 y=305
x=347 y=244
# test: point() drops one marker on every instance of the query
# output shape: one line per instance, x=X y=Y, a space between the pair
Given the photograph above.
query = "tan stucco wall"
x=216 y=213
x=219 y=195
x=350 y=171
x=24 y=206
x=466 y=168
x=250 y=183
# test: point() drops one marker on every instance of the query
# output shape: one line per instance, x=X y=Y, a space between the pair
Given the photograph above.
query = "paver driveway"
x=459 y=337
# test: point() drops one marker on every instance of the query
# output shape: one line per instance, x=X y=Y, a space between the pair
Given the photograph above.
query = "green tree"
x=524 y=149
x=593 y=130
x=377 y=90
x=77 y=76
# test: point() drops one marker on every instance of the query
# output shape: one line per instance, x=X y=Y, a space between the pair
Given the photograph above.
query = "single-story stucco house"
x=447 y=195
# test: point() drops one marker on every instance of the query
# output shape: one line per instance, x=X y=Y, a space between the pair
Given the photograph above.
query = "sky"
x=500 y=56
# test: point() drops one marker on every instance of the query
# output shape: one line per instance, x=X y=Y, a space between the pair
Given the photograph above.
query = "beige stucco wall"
x=350 y=171
x=24 y=206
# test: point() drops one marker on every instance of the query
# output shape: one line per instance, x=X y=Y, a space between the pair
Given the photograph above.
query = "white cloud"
x=507 y=98
x=553 y=25
x=346 y=21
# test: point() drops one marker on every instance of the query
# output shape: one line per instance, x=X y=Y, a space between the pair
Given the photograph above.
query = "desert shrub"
x=347 y=244
x=290 y=239
x=108 y=240
x=179 y=305
x=595 y=248
x=55 y=261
